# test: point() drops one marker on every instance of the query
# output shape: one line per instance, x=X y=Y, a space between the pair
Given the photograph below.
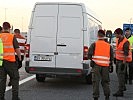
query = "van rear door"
x=43 y=36
x=70 y=37
x=57 y=36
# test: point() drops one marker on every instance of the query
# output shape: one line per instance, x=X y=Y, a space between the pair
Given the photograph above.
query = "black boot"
x=130 y=81
x=118 y=94
x=106 y=97
x=124 y=89
x=16 y=98
x=9 y=84
x=2 y=98
x=95 y=98
x=126 y=81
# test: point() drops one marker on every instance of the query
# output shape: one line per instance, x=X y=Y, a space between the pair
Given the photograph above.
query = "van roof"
x=55 y=3
x=85 y=9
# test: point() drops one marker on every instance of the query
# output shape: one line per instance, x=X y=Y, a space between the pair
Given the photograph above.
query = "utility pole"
x=130 y=20
x=22 y=23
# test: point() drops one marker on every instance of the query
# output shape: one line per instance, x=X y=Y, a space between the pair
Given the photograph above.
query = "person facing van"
x=21 y=41
x=10 y=46
x=101 y=56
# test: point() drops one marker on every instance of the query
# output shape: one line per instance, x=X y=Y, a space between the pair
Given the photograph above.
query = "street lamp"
x=130 y=20
x=22 y=23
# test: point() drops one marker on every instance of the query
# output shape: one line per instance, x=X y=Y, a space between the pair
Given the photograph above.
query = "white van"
x=58 y=39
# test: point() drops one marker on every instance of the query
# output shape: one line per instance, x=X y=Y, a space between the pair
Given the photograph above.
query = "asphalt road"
x=64 y=89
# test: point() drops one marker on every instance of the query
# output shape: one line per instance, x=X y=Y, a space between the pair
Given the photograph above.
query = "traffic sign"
x=128 y=26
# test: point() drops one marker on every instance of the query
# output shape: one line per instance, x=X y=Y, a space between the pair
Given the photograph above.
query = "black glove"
x=19 y=64
x=111 y=67
x=123 y=66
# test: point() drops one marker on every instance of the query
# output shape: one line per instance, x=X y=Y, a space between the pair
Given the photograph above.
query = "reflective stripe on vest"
x=8 y=46
x=120 y=53
x=101 y=58
x=9 y=52
x=6 y=54
x=1 y=52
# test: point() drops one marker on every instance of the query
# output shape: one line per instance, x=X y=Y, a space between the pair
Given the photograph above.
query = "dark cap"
x=101 y=32
x=17 y=31
x=118 y=31
x=6 y=25
x=128 y=29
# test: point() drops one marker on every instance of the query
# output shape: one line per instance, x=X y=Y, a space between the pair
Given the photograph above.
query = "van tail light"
x=27 y=48
x=85 y=56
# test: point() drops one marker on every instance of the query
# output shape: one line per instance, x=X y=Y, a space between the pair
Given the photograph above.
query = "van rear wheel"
x=40 y=77
x=89 y=79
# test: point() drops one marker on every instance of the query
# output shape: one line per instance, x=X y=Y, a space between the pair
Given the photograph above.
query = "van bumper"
x=58 y=71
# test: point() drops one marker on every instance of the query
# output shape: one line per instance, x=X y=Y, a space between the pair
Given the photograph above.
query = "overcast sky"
x=113 y=13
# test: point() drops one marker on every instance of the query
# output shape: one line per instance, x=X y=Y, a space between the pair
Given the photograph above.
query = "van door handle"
x=55 y=53
x=63 y=45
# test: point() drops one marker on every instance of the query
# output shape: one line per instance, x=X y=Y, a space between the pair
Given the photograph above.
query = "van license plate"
x=42 y=58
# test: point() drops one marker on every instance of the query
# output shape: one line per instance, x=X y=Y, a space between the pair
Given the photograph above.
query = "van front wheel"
x=40 y=77
x=89 y=79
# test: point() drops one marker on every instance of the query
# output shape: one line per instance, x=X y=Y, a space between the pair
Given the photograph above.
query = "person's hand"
x=19 y=64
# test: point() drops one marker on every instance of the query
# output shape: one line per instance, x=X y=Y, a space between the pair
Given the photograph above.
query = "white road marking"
x=22 y=81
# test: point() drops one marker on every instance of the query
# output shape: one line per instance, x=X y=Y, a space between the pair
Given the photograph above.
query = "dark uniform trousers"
x=100 y=73
x=129 y=70
x=121 y=75
x=11 y=69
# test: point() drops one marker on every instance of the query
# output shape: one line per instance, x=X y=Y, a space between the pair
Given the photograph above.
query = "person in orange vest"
x=21 y=40
x=123 y=56
x=10 y=46
x=101 y=55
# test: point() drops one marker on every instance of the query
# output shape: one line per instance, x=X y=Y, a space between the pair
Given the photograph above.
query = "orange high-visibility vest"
x=120 y=52
x=21 y=41
x=102 y=53
x=8 y=52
